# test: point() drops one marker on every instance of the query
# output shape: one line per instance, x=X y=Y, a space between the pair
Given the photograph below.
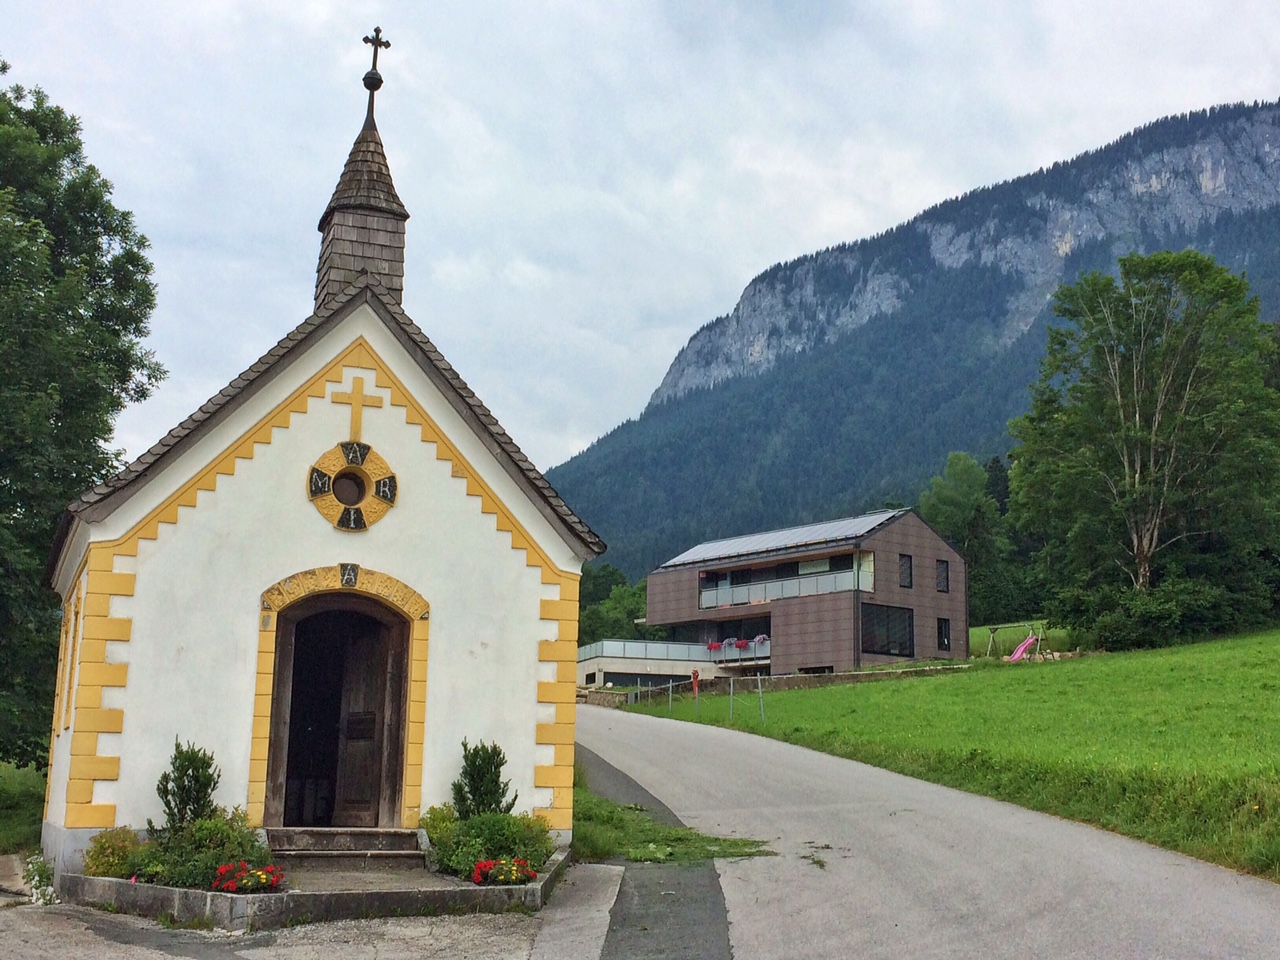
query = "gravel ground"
x=81 y=933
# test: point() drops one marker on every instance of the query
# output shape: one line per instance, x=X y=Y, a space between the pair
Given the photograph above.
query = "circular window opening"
x=348 y=489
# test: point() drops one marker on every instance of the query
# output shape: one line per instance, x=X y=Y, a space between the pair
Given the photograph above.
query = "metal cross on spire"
x=373 y=79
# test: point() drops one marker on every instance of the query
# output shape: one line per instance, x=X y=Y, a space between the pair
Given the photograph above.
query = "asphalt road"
x=873 y=864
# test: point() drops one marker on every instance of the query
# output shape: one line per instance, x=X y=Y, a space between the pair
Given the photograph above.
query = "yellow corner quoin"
x=103 y=583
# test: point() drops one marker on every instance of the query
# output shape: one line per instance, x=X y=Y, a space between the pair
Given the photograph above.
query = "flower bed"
x=503 y=870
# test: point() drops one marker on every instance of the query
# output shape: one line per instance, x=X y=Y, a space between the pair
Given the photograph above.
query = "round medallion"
x=352 y=486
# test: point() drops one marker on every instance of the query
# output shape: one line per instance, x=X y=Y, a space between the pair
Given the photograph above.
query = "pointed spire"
x=363 y=226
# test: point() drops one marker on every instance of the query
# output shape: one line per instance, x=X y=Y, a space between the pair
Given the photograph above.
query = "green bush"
x=186 y=788
x=109 y=852
x=494 y=836
x=440 y=823
x=481 y=788
x=190 y=855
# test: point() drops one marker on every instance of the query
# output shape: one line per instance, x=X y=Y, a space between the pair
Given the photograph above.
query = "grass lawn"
x=21 y=807
x=1178 y=747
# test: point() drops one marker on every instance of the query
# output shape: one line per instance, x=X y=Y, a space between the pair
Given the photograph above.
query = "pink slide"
x=1023 y=647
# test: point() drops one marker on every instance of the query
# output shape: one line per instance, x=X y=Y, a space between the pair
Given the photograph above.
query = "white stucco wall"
x=194 y=645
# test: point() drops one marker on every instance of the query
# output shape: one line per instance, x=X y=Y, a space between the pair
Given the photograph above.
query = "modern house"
x=821 y=598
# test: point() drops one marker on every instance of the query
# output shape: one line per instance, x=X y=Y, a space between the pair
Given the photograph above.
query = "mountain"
x=842 y=379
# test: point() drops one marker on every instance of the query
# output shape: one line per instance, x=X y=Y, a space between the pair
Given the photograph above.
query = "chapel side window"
x=904 y=570
x=944 y=576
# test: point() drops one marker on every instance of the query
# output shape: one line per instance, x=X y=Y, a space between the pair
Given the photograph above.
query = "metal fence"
x=672 y=688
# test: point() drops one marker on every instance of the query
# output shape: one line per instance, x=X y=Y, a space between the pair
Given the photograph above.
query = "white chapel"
x=328 y=576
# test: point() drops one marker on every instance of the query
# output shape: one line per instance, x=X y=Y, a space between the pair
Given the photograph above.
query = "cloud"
x=588 y=183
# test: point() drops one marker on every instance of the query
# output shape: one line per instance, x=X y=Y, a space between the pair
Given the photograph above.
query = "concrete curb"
x=270 y=911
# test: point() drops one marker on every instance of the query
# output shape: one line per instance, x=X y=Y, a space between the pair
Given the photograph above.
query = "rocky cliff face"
x=1167 y=180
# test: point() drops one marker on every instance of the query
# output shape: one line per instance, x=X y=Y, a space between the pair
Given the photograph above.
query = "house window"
x=889 y=631
x=816 y=670
x=944 y=576
x=591 y=679
x=904 y=570
x=944 y=633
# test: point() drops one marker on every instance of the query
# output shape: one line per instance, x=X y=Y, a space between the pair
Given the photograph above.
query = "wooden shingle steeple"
x=362 y=230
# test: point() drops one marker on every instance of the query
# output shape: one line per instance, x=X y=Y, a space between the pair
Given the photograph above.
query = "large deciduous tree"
x=75 y=298
x=1149 y=456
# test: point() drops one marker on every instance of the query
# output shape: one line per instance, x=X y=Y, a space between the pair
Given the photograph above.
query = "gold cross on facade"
x=358 y=400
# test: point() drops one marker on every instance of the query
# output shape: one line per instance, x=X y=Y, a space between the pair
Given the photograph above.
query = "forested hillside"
x=841 y=380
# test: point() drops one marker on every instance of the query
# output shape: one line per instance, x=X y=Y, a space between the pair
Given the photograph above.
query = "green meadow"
x=1179 y=747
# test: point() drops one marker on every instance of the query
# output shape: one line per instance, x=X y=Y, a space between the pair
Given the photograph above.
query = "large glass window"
x=888 y=630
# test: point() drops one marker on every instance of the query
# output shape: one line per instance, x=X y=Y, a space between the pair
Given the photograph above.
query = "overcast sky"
x=589 y=182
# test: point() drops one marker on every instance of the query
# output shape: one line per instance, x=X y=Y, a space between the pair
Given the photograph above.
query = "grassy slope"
x=21 y=806
x=1179 y=747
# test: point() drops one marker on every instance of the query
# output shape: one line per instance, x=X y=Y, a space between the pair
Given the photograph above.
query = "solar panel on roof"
x=769 y=541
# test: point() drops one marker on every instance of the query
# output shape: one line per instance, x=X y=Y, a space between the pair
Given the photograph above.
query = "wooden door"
x=361 y=729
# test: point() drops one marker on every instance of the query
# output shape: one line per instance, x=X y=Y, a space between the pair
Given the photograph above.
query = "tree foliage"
x=1149 y=456
x=958 y=506
x=75 y=298
x=964 y=504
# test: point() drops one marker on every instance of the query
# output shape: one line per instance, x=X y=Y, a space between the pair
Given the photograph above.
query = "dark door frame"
x=395 y=712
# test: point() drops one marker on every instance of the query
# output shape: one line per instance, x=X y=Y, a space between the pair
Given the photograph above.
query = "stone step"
x=349 y=861
x=342 y=839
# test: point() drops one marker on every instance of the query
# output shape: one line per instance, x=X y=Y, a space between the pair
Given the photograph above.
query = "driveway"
x=873 y=864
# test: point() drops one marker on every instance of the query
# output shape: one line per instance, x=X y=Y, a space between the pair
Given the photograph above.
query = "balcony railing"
x=727 y=654
x=808 y=585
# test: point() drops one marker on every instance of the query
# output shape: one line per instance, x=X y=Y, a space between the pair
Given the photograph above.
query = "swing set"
x=1034 y=638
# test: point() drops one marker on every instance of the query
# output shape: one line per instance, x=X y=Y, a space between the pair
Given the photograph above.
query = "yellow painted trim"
x=556 y=819
x=391 y=592
x=76 y=642
x=95 y=768
x=115 y=584
x=91 y=815
x=60 y=686
x=554 y=733
x=556 y=692
x=100 y=721
x=552 y=776
x=92 y=674
x=550 y=651
x=559 y=609
x=108 y=628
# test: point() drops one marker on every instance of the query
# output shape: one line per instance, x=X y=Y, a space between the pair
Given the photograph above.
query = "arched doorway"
x=337 y=741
